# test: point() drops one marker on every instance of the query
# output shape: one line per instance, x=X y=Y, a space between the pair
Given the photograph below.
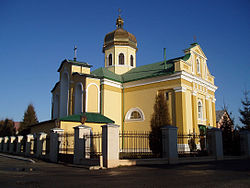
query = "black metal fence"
x=93 y=145
x=135 y=145
x=192 y=145
x=66 y=147
x=23 y=144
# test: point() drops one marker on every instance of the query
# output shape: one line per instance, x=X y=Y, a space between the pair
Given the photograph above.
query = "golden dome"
x=119 y=37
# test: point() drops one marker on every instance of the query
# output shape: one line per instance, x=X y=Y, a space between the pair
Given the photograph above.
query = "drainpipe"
x=84 y=95
x=123 y=116
x=101 y=100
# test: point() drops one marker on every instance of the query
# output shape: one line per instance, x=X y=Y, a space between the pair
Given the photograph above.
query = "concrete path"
x=231 y=173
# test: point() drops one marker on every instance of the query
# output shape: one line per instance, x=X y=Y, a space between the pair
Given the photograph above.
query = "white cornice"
x=111 y=83
x=199 y=81
x=194 y=93
x=161 y=79
x=180 y=89
x=182 y=74
x=198 y=54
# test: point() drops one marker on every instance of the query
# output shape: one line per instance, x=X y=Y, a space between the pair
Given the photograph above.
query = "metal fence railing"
x=143 y=144
x=93 y=145
x=191 y=145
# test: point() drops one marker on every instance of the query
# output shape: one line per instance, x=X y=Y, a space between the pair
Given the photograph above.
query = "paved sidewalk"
x=17 y=157
x=230 y=173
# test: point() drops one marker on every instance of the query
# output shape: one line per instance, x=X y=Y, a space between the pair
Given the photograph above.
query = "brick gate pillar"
x=81 y=143
x=215 y=146
x=169 y=143
x=110 y=145
x=54 y=144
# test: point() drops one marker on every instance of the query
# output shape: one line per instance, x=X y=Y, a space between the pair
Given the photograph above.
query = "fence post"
x=40 y=144
x=215 y=146
x=28 y=144
x=1 y=144
x=81 y=143
x=110 y=145
x=6 y=144
x=54 y=144
x=18 y=144
x=245 y=143
x=169 y=143
x=11 y=144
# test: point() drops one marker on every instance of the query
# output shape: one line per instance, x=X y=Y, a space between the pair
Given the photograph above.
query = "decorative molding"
x=111 y=83
x=194 y=93
x=180 y=89
x=171 y=77
x=198 y=54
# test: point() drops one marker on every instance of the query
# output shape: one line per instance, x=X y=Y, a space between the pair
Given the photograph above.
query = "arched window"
x=199 y=110
x=121 y=59
x=198 y=66
x=110 y=60
x=131 y=61
x=78 y=98
x=134 y=114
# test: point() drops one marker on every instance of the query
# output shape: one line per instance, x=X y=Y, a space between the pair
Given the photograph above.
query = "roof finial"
x=119 y=12
x=119 y=20
x=75 y=50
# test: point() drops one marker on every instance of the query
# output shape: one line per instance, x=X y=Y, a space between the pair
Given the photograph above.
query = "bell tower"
x=120 y=49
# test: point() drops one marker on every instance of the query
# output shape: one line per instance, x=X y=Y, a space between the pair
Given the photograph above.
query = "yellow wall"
x=68 y=126
x=112 y=103
x=93 y=95
x=80 y=69
x=116 y=50
x=143 y=97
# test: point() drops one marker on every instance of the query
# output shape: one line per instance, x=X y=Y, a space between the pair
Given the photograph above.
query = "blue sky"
x=35 y=36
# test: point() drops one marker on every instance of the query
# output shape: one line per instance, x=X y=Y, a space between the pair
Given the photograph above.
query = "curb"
x=17 y=157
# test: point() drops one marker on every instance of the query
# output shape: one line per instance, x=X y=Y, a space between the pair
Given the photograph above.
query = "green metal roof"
x=105 y=73
x=142 y=72
x=91 y=118
x=72 y=62
x=148 y=71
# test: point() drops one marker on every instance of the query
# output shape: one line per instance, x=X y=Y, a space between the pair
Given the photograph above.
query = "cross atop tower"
x=119 y=12
x=119 y=20
x=75 y=50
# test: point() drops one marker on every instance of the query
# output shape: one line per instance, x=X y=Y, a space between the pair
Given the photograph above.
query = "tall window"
x=199 y=110
x=110 y=60
x=167 y=95
x=198 y=66
x=121 y=59
x=131 y=61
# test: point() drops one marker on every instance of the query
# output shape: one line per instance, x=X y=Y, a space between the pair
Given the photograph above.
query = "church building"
x=123 y=93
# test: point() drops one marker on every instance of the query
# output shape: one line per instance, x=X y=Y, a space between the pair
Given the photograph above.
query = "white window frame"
x=198 y=66
x=200 y=113
x=128 y=115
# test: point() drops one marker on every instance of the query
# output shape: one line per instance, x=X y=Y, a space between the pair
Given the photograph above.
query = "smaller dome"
x=119 y=37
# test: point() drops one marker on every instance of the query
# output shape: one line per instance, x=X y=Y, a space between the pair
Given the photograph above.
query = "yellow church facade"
x=122 y=93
